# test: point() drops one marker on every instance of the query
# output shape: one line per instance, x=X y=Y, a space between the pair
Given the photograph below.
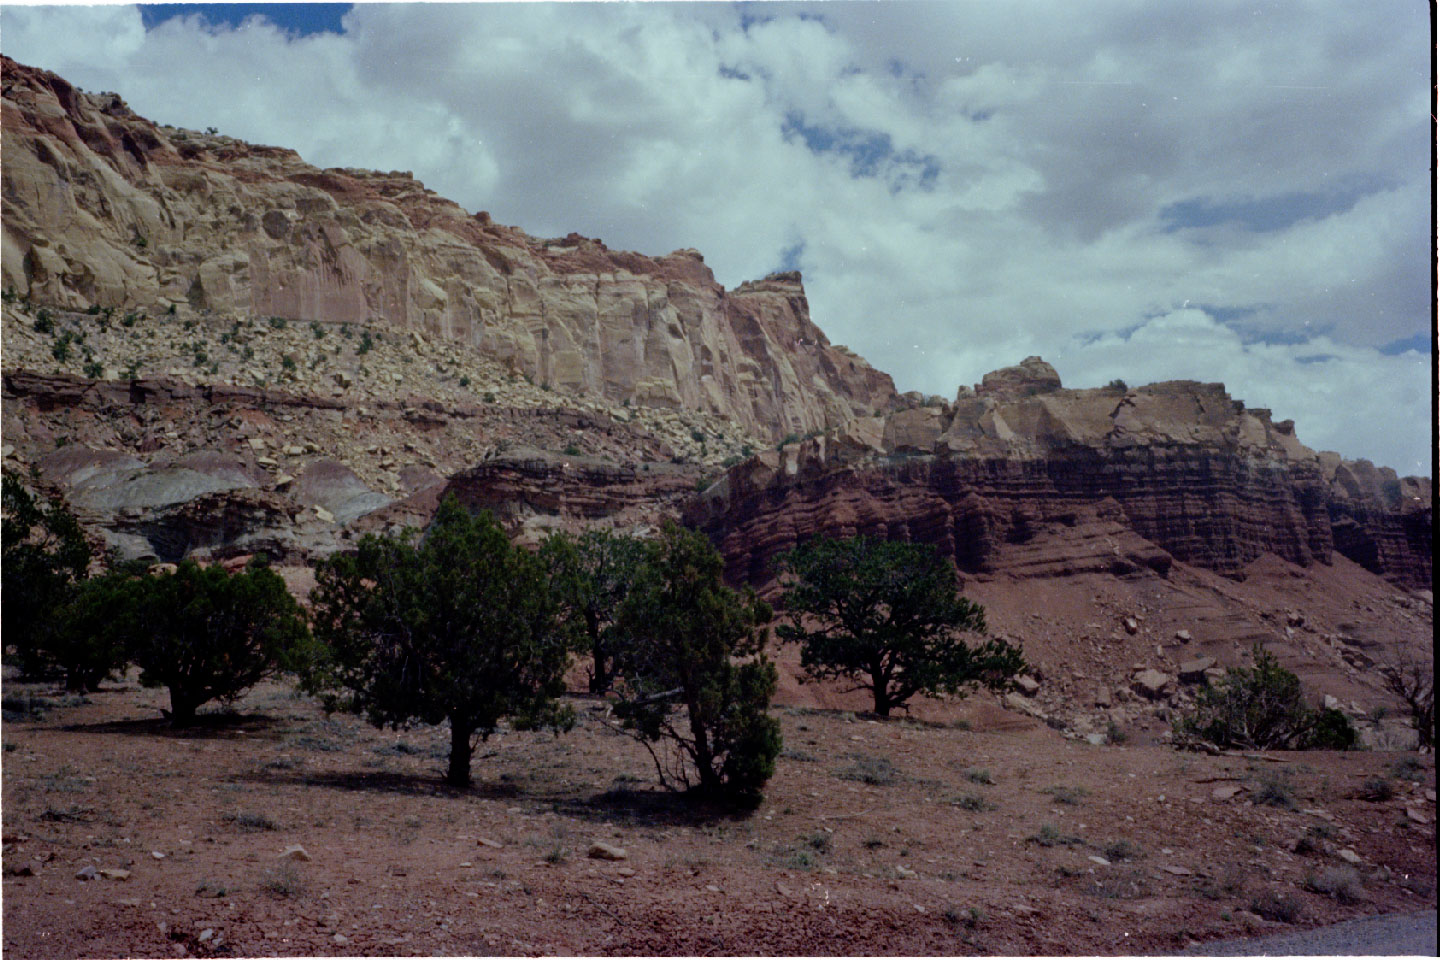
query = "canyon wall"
x=103 y=207
x=1138 y=478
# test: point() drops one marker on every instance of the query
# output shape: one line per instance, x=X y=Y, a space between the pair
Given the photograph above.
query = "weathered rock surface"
x=104 y=207
x=1077 y=480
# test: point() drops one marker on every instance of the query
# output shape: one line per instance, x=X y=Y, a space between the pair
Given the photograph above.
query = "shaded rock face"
x=1048 y=482
x=104 y=207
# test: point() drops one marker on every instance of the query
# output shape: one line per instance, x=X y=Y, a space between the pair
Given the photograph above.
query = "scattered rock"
x=341 y=939
x=295 y=852
x=905 y=873
x=1414 y=814
x=1193 y=671
x=1226 y=792
x=324 y=514
x=87 y=872
x=487 y=842
x=1096 y=739
x=1152 y=684
x=115 y=873
x=1102 y=697
x=600 y=850
x=1100 y=860
x=1027 y=685
x=1132 y=625
x=1349 y=856
x=1178 y=871
x=157 y=854
x=1183 y=636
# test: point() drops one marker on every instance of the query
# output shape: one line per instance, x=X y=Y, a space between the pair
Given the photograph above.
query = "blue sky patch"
x=1265 y=214
x=302 y=19
x=1420 y=343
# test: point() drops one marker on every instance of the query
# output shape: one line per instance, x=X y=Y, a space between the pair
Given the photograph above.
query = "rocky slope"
x=103 y=207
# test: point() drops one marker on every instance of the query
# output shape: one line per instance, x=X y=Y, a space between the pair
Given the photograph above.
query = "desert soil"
x=976 y=830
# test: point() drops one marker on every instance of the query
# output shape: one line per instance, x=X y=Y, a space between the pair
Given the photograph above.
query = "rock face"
x=104 y=207
x=1077 y=480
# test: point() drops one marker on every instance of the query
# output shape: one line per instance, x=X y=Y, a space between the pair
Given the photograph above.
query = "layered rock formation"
x=1174 y=470
x=102 y=207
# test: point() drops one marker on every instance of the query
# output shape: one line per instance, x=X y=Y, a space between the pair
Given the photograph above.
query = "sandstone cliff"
x=103 y=207
x=1170 y=471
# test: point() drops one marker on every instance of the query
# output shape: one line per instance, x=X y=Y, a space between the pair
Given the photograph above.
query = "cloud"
x=962 y=184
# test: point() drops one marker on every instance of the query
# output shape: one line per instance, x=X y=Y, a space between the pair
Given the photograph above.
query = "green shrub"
x=1261 y=708
x=94 y=370
x=43 y=323
x=278 y=323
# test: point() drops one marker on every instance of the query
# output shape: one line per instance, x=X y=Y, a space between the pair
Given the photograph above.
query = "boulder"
x=1193 y=671
x=600 y=850
x=1152 y=684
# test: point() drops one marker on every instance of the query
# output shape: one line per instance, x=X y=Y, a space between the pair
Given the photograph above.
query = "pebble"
x=1100 y=860
x=86 y=872
x=294 y=852
x=157 y=854
x=487 y=842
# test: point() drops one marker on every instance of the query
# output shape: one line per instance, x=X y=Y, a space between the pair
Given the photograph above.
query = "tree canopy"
x=591 y=575
x=44 y=556
x=203 y=632
x=461 y=627
x=887 y=614
x=691 y=642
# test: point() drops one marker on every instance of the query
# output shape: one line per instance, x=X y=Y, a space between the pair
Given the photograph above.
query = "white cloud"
x=1016 y=160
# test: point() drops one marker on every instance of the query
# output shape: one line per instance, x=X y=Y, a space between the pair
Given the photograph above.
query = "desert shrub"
x=1338 y=883
x=460 y=627
x=1415 y=684
x=691 y=642
x=1277 y=907
x=876 y=771
x=973 y=803
x=1070 y=796
x=1329 y=730
x=205 y=633
x=1121 y=850
x=43 y=323
x=1261 y=708
x=1050 y=836
x=979 y=775
x=885 y=614
x=1273 y=792
x=1377 y=789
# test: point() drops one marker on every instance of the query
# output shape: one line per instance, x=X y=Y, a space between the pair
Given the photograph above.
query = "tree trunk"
x=600 y=676
x=182 y=708
x=458 y=774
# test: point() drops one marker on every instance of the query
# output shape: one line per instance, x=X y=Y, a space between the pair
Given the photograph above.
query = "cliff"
x=1170 y=471
x=103 y=207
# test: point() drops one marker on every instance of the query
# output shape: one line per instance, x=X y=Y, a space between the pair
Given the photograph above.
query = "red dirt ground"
x=874 y=838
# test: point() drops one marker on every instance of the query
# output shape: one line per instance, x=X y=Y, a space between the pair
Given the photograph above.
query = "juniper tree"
x=887 y=614
x=461 y=627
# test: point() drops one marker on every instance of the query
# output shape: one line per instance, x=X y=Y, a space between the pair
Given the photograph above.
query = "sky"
x=1219 y=191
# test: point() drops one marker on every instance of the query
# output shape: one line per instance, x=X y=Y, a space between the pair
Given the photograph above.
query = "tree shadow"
x=206 y=726
x=654 y=807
